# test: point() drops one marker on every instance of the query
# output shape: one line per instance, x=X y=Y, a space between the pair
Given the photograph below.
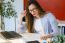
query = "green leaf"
x=12 y=0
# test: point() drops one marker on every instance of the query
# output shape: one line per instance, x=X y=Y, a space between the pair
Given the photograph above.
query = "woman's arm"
x=54 y=25
x=21 y=21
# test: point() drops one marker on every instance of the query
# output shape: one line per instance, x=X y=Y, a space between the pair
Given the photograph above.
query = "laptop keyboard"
x=10 y=34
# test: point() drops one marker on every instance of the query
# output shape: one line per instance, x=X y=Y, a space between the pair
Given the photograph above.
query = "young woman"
x=41 y=22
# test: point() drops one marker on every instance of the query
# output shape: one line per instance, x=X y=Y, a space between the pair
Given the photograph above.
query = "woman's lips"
x=33 y=14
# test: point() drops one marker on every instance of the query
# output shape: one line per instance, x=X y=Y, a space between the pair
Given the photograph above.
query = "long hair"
x=30 y=18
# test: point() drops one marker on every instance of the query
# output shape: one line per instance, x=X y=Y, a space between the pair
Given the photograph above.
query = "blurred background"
x=57 y=7
x=11 y=24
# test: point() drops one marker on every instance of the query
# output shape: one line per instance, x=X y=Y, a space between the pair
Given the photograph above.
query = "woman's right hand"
x=24 y=12
x=43 y=37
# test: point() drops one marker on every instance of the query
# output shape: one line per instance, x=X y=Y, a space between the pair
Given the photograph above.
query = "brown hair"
x=30 y=18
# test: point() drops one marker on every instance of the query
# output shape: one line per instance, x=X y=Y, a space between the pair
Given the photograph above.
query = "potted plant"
x=59 y=39
x=6 y=10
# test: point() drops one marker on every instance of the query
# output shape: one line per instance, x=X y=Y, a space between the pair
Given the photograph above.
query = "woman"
x=39 y=21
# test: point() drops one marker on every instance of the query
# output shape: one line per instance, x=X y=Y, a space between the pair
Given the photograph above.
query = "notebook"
x=10 y=35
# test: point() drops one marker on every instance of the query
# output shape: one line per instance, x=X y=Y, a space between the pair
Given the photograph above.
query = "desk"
x=25 y=37
x=30 y=36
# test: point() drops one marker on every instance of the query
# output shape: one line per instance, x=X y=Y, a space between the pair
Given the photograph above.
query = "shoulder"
x=48 y=15
x=51 y=18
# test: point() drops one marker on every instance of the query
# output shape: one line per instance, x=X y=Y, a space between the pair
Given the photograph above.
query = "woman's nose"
x=32 y=12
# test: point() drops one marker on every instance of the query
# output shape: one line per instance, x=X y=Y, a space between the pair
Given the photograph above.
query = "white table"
x=25 y=37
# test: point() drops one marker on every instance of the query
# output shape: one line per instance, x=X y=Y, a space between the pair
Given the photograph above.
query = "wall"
x=57 y=7
x=10 y=23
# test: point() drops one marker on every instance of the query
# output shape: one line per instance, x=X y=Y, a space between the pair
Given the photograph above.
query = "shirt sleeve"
x=54 y=24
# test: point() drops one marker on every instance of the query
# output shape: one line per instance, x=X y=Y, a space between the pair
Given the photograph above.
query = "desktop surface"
x=26 y=38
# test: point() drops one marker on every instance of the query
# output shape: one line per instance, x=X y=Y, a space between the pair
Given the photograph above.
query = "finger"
x=41 y=38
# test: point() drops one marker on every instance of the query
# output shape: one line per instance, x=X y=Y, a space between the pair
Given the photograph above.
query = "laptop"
x=10 y=35
x=33 y=41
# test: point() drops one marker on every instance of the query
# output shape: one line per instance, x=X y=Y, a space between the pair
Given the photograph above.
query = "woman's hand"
x=42 y=37
x=24 y=12
x=45 y=37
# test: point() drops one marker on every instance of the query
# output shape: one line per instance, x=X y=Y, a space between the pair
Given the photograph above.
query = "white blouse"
x=38 y=26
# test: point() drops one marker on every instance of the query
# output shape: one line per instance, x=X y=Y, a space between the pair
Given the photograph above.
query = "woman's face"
x=33 y=10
